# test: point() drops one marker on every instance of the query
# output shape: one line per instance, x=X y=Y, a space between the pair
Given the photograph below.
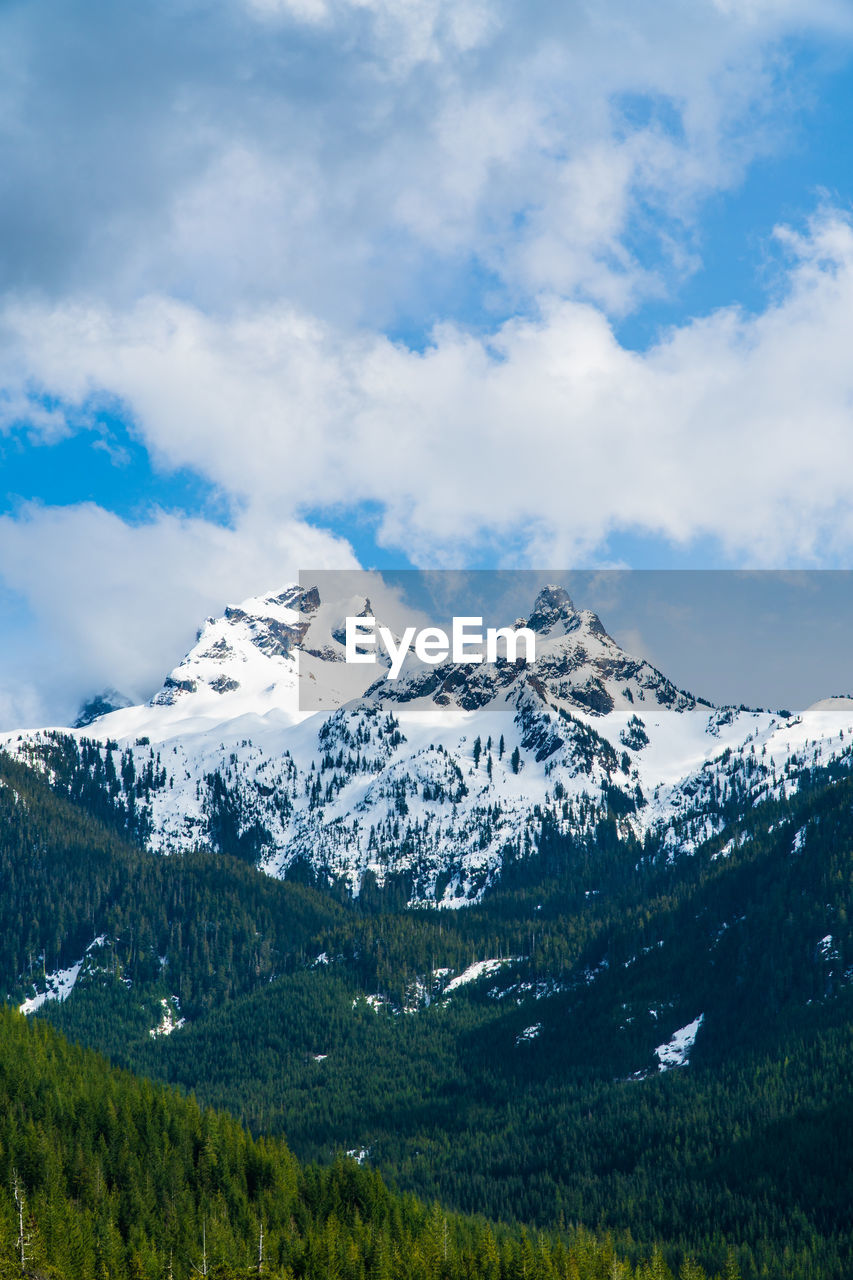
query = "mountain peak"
x=247 y=661
x=282 y=605
x=552 y=605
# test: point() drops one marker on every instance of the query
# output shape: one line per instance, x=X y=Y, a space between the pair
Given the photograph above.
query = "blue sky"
x=339 y=282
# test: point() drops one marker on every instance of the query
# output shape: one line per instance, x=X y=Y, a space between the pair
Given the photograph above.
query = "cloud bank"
x=356 y=156
x=337 y=254
x=545 y=437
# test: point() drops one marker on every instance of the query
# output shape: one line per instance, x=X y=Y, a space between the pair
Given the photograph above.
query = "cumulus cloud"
x=115 y=604
x=546 y=434
x=216 y=215
x=354 y=155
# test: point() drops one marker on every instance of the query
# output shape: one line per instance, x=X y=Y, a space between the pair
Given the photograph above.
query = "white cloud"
x=547 y=435
x=403 y=32
x=18 y=408
x=215 y=213
x=302 y=10
x=23 y=705
x=114 y=604
x=356 y=156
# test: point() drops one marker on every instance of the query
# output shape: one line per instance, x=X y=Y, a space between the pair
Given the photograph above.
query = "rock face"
x=231 y=646
x=435 y=777
x=553 y=608
x=578 y=667
x=100 y=705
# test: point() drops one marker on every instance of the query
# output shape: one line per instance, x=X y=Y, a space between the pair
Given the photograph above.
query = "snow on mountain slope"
x=676 y=1051
x=437 y=775
x=59 y=984
x=578 y=667
x=244 y=664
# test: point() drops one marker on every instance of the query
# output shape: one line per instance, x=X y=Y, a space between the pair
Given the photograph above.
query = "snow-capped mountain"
x=437 y=775
x=248 y=662
x=578 y=667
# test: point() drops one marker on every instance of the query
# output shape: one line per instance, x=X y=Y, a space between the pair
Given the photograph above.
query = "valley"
x=600 y=988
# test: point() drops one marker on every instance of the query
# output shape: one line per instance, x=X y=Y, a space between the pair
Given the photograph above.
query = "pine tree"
x=20 y=1212
x=731 y=1268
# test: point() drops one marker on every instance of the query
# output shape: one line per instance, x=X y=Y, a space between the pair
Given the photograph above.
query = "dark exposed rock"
x=223 y=684
x=277 y=639
x=172 y=690
x=552 y=605
x=101 y=705
x=218 y=651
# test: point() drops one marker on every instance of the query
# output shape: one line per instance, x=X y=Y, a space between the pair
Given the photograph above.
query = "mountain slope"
x=538 y=1090
x=436 y=779
x=506 y=1058
x=78 y=895
x=106 y=1175
x=648 y=990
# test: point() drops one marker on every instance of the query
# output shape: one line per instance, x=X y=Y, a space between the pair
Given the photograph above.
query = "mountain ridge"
x=440 y=774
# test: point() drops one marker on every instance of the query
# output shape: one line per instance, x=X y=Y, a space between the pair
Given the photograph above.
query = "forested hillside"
x=504 y=1059
x=106 y=1175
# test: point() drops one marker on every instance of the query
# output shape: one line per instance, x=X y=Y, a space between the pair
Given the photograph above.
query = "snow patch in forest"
x=58 y=987
x=168 y=1020
x=59 y=984
x=726 y=850
x=480 y=969
x=375 y=1002
x=676 y=1052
